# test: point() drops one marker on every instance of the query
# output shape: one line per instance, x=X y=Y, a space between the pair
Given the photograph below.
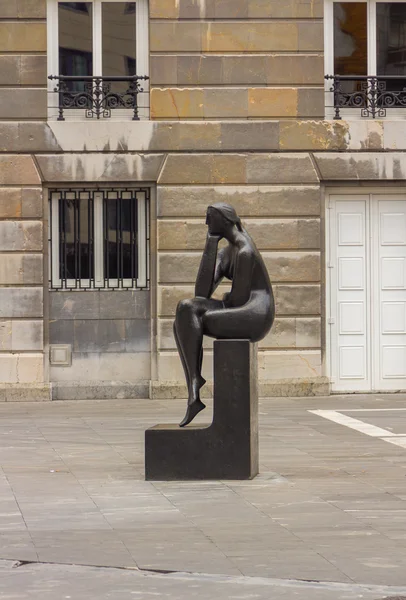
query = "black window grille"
x=99 y=239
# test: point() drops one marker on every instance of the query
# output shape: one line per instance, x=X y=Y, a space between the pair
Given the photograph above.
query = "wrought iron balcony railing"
x=372 y=95
x=98 y=96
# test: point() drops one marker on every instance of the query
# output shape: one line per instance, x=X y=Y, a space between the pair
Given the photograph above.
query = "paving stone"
x=326 y=507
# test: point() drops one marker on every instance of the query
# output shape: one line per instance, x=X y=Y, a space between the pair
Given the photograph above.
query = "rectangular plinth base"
x=226 y=449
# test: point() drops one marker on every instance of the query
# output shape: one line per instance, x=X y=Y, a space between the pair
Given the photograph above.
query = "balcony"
x=96 y=96
x=372 y=95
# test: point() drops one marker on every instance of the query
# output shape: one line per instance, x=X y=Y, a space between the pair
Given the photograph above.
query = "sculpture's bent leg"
x=189 y=338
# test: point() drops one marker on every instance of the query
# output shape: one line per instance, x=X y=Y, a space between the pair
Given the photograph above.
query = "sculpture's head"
x=221 y=217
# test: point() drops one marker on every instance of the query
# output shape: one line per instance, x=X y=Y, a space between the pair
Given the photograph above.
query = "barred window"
x=99 y=238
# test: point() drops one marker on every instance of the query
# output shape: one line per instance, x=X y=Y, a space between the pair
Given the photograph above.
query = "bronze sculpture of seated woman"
x=246 y=312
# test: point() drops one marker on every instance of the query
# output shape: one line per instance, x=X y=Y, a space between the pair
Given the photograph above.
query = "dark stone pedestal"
x=226 y=449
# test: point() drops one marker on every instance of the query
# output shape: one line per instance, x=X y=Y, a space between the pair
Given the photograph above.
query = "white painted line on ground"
x=336 y=417
x=398 y=441
x=371 y=409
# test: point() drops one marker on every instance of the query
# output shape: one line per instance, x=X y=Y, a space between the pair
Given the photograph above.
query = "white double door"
x=367 y=285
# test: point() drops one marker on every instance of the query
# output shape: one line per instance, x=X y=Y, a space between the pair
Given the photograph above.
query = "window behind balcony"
x=103 y=39
x=366 y=50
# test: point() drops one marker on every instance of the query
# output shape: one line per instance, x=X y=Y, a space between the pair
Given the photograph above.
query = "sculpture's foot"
x=192 y=410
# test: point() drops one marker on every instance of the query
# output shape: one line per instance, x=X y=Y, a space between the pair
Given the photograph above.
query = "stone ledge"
x=278 y=388
x=25 y=392
x=99 y=390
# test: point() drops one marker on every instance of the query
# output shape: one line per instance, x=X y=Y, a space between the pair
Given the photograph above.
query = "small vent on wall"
x=60 y=355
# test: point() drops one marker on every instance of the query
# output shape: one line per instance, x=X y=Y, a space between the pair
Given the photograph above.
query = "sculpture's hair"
x=228 y=212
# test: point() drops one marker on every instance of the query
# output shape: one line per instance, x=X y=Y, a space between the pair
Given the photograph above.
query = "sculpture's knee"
x=185 y=306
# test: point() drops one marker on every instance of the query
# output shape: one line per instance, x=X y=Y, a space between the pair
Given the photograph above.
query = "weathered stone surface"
x=261 y=201
x=249 y=37
x=289 y=9
x=8 y=9
x=295 y=69
x=99 y=335
x=18 y=170
x=280 y=168
x=199 y=70
x=158 y=136
x=23 y=103
x=21 y=368
x=20 y=235
x=236 y=9
x=268 y=234
x=10 y=68
x=310 y=37
x=131 y=305
x=236 y=36
x=25 y=392
x=286 y=333
x=5 y=335
x=16 y=69
x=229 y=103
x=99 y=305
x=31 y=9
x=204 y=168
x=27 y=335
x=285 y=364
x=23 y=37
x=175 y=37
x=98 y=367
x=282 y=267
x=21 y=302
x=293 y=266
x=259 y=135
x=361 y=166
x=32 y=203
x=163 y=69
x=33 y=70
x=308 y=333
x=272 y=102
x=103 y=335
x=61 y=331
x=283 y=388
x=109 y=390
x=282 y=335
x=290 y=299
x=314 y=135
x=272 y=365
x=298 y=299
x=285 y=234
x=21 y=269
x=10 y=203
x=370 y=134
x=295 y=388
x=164 y=9
x=311 y=102
x=173 y=103
x=100 y=167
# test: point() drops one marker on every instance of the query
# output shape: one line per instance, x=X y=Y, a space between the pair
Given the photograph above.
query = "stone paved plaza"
x=325 y=519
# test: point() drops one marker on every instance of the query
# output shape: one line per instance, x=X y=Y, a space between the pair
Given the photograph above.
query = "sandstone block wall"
x=23 y=43
x=21 y=273
x=239 y=59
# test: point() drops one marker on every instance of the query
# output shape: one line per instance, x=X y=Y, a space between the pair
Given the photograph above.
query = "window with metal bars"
x=99 y=239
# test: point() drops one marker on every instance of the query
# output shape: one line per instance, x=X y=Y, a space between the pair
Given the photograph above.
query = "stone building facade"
x=234 y=111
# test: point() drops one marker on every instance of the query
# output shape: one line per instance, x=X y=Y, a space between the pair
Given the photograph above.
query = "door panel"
x=349 y=309
x=389 y=292
x=368 y=292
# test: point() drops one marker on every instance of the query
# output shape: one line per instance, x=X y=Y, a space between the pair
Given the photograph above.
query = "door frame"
x=387 y=190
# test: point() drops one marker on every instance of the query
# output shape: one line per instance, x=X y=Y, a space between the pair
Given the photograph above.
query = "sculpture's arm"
x=210 y=270
x=242 y=280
